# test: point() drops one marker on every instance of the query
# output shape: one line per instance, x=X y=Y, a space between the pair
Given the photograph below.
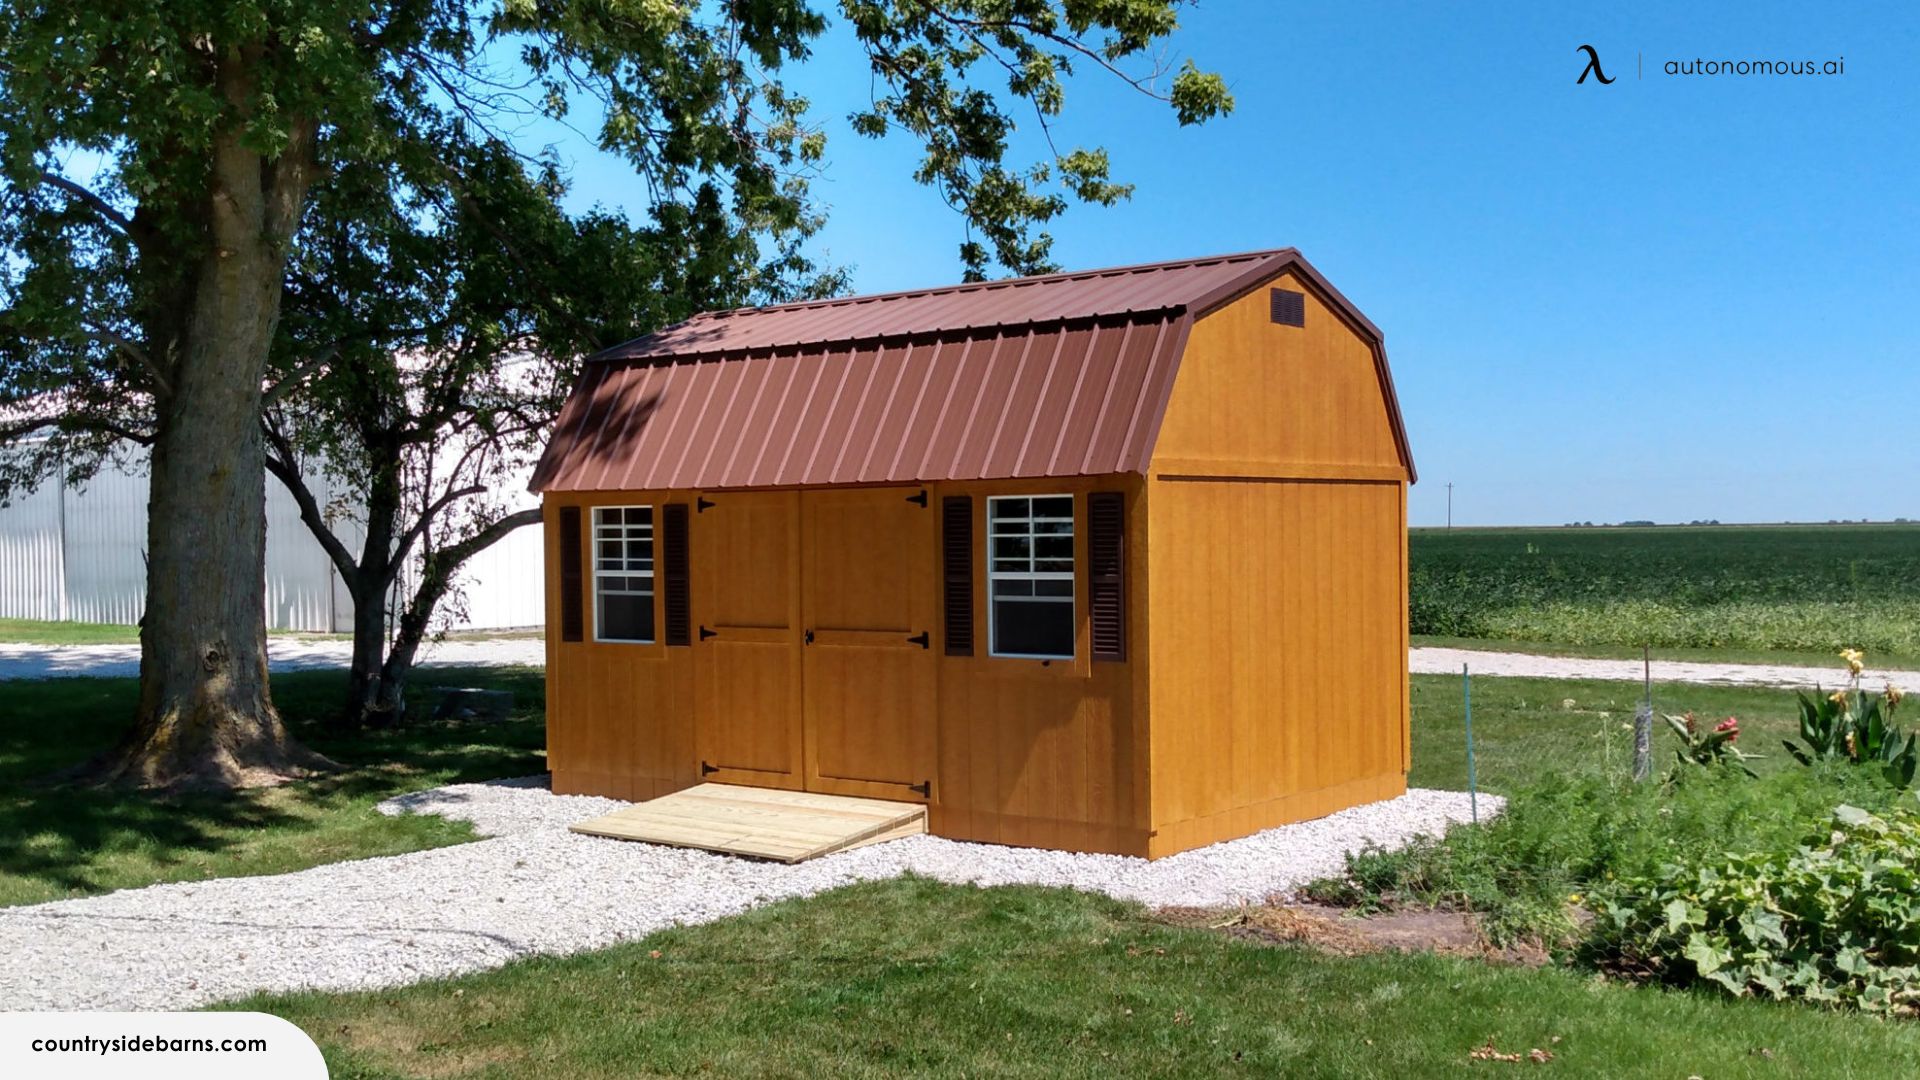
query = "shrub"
x=1563 y=837
x=1835 y=919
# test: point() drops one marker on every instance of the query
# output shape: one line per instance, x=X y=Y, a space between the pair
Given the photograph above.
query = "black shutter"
x=956 y=558
x=678 y=595
x=1107 y=573
x=573 y=616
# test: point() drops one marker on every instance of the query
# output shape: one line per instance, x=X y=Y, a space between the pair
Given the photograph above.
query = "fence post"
x=1473 y=787
x=1643 y=721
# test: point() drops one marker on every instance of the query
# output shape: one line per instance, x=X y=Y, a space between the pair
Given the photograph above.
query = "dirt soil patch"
x=1343 y=933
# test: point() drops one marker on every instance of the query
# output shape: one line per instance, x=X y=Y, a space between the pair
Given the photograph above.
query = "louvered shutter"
x=956 y=558
x=1107 y=573
x=573 y=617
x=676 y=582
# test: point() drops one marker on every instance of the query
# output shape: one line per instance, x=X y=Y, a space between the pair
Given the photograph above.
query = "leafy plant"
x=1849 y=726
x=1835 y=919
x=1706 y=748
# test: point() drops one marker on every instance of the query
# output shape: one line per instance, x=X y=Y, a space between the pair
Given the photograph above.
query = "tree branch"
x=281 y=463
x=96 y=203
x=408 y=538
x=294 y=378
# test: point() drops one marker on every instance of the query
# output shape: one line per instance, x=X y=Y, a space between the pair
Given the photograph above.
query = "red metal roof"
x=1062 y=375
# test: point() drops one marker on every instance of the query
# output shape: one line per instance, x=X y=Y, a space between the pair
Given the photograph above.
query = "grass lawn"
x=56 y=843
x=1801 y=657
x=45 y=632
x=911 y=976
x=914 y=978
x=51 y=632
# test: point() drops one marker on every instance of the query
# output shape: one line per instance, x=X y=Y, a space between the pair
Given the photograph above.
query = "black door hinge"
x=924 y=787
x=701 y=505
x=807 y=637
x=919 y=500
x=706 y=768
x=706 y=633
x=921 y=640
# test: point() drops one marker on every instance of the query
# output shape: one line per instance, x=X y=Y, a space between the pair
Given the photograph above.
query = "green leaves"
x=1834 y=920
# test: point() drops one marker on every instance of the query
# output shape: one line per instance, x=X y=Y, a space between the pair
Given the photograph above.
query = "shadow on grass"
x=65 y=840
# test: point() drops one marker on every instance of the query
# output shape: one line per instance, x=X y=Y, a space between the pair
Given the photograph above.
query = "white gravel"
x=22 y=661
x=538 y=889
x=1437 y=661
x=302 y=654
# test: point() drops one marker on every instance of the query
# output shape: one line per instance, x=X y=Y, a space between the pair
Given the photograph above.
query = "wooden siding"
x=1028 y=753
x=1250 y=392
x=1279 y=669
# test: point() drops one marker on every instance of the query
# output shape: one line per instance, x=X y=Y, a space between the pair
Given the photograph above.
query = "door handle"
x=706 y=633
x=808 y=637
x=921 y=640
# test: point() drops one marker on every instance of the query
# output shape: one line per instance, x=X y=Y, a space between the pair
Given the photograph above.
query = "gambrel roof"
x=1060 y=375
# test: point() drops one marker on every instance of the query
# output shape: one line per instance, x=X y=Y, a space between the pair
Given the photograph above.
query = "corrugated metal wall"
x=79 y=554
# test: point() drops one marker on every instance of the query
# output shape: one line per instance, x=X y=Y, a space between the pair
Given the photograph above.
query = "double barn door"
x=814 y=647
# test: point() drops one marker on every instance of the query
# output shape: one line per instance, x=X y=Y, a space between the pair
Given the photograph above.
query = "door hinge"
x=919 y=500
x=706 y=768
x=700 y=505
x=807 y=637
x=921 y=640
x=706 y=633
x=924 y=787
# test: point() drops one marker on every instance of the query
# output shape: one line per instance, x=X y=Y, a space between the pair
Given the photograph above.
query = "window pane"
x=625 y=617
x=1054 y=506
x=1033 y=627
x=1010 y=508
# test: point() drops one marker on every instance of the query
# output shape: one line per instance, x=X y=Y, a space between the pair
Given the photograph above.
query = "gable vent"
x=956 y=559
x=1286 y=307
x=1107 y=573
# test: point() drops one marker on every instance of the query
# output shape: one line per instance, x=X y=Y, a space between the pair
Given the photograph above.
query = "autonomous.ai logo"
x=1593 y=66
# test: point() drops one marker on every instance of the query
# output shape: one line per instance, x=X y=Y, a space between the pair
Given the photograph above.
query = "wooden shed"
x=1110 y=561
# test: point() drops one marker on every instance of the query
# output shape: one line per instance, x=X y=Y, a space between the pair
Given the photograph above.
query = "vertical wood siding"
x=1022 y=752
x=1253 y=393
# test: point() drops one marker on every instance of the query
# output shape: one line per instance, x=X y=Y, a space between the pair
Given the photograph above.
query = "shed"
x=1111 y=561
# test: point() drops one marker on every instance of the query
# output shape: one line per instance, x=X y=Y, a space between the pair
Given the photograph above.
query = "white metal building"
x=79 y=555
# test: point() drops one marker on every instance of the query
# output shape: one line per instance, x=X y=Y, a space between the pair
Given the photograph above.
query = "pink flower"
x=1731 y=726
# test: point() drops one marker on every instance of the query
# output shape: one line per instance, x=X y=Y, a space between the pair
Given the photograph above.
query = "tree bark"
x=205 y=716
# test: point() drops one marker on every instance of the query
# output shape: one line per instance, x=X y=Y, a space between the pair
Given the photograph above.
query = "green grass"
x=45 y=632
x=62 y=842
x=53 y=632
x=909 y=977
x=1803 y=588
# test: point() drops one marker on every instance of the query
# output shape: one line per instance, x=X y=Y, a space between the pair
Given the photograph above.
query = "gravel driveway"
x=538 y=889
x=301 y=654
x=18 y=661
x=1434 y=661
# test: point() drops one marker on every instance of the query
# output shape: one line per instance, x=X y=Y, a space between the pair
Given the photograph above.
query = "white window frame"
x=1071 y=577
x=648 y=568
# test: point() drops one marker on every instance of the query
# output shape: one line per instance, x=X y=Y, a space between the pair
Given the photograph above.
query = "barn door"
x=868 y=603
x=747 y=639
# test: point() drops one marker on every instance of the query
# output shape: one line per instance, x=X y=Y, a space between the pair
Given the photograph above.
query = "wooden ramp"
x=786 y=826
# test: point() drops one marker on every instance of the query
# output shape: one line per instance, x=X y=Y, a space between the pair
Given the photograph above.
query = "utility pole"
x=1449 y=506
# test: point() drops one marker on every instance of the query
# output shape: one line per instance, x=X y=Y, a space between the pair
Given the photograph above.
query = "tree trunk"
x=205 y=716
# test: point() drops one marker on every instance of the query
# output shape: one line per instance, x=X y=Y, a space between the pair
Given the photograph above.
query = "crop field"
x=1761 y=587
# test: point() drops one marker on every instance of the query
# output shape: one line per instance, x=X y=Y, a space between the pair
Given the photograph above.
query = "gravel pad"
x=535 y=888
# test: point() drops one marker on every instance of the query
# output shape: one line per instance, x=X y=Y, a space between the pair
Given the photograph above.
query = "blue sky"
x=1669 y=298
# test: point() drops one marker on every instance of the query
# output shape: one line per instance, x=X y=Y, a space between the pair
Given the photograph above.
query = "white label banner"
x=162 y=1045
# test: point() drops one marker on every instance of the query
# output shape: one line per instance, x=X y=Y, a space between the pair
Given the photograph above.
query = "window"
x=1030 y=576
x=623 y=573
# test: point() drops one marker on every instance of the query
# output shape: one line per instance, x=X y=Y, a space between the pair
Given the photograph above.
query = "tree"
x=144 y=288
x=427 y=424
